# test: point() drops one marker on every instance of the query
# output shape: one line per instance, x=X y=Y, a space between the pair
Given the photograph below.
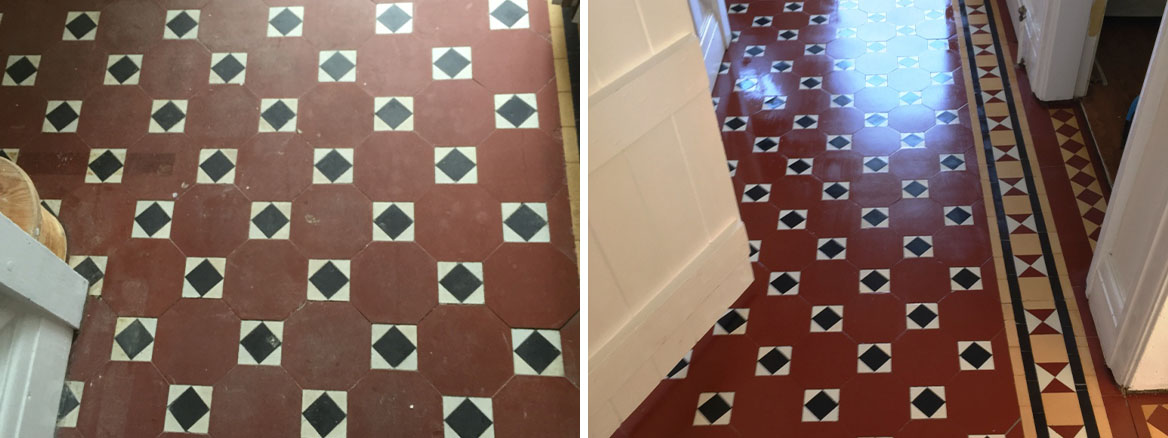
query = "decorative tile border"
x=567 y=116
x=1054 y=381
x=1089 y=196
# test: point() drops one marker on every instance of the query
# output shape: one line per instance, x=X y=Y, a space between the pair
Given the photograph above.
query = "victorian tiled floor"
x=920 y=229
x=303 y=218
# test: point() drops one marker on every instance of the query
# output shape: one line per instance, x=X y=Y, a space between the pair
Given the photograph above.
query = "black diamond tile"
x=452 y=63
x=152 y=219
x=738 y=8
x=455 y=165
x=228 y=68
x=393 y=113
x=333 y=165
x=278 y=114
x=68 y=403
x=792 y=219
x=123 y=69
x=393 y=221
x=188 y=408
x=755 y=50
x=952 y=162
x=831 y=248
x=958 y=215
x=876 y=163
x=819 y=19
x=842 y=100
x=762 y=21
x=204 y=277
x=681 y=364
x=875 y=216
x=714 y=408
x=765 y=144
x=874 y=358
x=329 y=279
x=80 y=26
x=181 y=24
x=810 y=82
x=918 y=246
x=774 y=360
x=515 y=111
x=799 y=166
x=928 y=402
x=788 y=34
x=821 y=405
x=105 y=165
x=922 y=316
x=805 y=121
x=394 y=347
x=133 y=339
x=217 y=165
x=815 y=49
x=460 y=282
x=89 y=271
x=21 y=69
x=839 y=142
x=784 y=283
x=915 y=188
x=393 y=18
x=467 y=420
x=976 y=355
x=525 y=222
x=966 y=278
x=61 y=116
x=836 y=190
x=780 y=65
x=756 y=192
x=286 y=21
x=731 y=321
x=270 y=220
x=260 y=343
x=537 y=351
x=946 y=117
x=508 y=13
x=874 y=280
x=337 y=66
x=735 y=123
x=324 y=415
x=826 y=318
x=168 y=115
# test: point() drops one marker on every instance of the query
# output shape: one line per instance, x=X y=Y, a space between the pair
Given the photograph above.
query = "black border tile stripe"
x=1068 y=332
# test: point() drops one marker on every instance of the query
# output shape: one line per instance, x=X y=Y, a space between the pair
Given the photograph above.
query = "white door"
x=713 y=30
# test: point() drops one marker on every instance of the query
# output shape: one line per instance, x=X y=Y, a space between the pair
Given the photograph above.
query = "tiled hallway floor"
x=303 y=218
x=920 y=230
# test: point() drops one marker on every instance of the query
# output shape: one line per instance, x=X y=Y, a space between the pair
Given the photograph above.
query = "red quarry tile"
x=837 y=166
x=332 y=221
x=91 y=348
x=828 y=283
x=268 y=281
x=466 y=101
x=983 y=400
x=394 y=282
x=920 y=280
x=914 y=163
x=803 y=143
x=24 y=108
x=98 y=218
x=880 y=318
x=200 y=234
x=1120 y=417
x=842 y=82
x=338 y=24
x=274 y=167
x=459 y=223
x=873 y=100
x=925 y=357
x=160 y=167
x=875 y=190
x=177 y=69
x=399 y=65
x=128 y=399
x=833 y=219
x=839 y=120
x=393 y=402
x=458 y=23
x=824 y=360
x=197 y=341
x=875 y=248
x=397 y=166
x=560 y=213
x=477 y=338
x=335 y=115
x=249 y=392
x=918 y=217
x=533 y=286
x=870 y=405
x=961 y=246
x=911 y=118
x=40 y=28
x=56 y=165
x=326 y=345
x=955 y=188
x=949 y=139
x=873 y=141
x=537 y=406
x=516 y=164
x=570 y=341
x=122 y=116
x=778 y=320
x=221 y=114
x=231 y=26
x=143 y=277
x=70 y=70
x=758 y=407
x=942 y=97
x=529 y=63
x=282 y=67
